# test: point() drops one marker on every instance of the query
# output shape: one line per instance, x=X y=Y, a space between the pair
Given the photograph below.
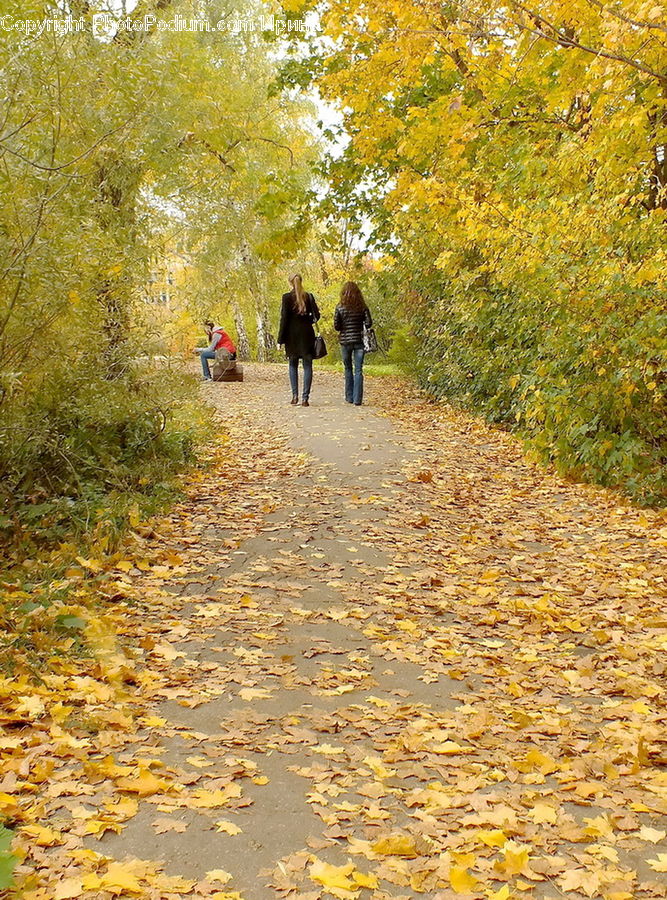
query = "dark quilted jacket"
x=350 y=324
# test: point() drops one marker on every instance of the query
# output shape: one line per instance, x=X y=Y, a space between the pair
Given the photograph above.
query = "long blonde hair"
x=299 y=293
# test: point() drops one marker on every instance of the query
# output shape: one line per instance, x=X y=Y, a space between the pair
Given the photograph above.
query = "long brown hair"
x=351 y=297
x=299 y=293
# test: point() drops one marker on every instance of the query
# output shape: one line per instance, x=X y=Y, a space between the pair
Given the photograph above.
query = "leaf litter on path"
x=483 y=715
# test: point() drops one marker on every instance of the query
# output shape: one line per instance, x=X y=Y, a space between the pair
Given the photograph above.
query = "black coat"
x=350 y=325
x=296 y=331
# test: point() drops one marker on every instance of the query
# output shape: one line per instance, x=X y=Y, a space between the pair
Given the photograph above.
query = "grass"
x=375 y=370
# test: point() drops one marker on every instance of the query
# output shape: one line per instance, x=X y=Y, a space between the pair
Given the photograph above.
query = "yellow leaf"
x=378 y=768
x=579 y=880
x=396 y=845
x=543 y=812
x=254 y=694
x=332 y=877
x=199 y=762
x=30 y=706
x=493 y=838
x=515 y=861
x=99 y=827
x=599 y=826
x=68 y=889
x=608 y=853
x=166 y=651
x=219 y=875
x=652 y=834
x=211 y=799
x=542 y=761
x=124 y=808
x=260 y=779
x=227 y=827
x=503 y=894
x=116 y=879
x=153 y=721
x=461 y=880
x=659 y=864
x=93 y=565
x=42 y=837
x=368 y=881
x=144 y=784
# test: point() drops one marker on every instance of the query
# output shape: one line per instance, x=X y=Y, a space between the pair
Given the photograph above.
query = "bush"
x=80 y=454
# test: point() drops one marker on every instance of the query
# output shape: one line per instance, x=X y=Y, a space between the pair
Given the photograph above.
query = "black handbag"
x=320 y=348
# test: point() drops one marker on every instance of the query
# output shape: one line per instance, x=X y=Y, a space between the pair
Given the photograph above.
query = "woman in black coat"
x=299 y=312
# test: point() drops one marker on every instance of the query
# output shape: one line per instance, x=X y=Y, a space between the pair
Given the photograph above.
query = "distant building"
x=166 y=280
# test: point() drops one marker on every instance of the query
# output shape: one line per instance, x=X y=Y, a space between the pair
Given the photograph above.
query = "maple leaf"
x=543 y=813
x=336 y=879
x=219 y=875
x=396 y=845
x=495 y=838
x=248 y=694
x=654 y=835
x=227 y=827
x=461 y=880
x=144 y=784
x=117 y=879
x=69 y=889
x=659 y=864
x=204 y=799
x=579 y=880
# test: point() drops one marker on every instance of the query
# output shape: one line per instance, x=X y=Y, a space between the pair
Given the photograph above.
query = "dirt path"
x=399 y=659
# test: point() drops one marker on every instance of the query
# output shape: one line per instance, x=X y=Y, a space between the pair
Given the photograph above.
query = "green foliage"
x=115 y=153
x=587 y=394
x=7 y=859
x=81 y=453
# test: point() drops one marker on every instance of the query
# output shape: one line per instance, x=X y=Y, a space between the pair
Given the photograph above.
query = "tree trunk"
x=261 y=337
x=265 y=340
x=117 y=182
x=243 y=342
x=323 y=268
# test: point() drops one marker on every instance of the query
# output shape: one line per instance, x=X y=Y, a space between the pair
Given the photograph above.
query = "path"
x=401 y=661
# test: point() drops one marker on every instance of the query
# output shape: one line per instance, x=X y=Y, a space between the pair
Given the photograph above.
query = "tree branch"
x=569 y=41
x=191 y=138
x=654 y=26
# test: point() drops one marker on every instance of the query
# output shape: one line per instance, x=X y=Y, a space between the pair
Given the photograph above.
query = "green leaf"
x=7 y=859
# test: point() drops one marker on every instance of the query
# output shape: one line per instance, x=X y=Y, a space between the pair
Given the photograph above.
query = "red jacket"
x=224 y=340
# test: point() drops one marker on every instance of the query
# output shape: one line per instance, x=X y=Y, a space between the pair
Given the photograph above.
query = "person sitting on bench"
x=218 y=340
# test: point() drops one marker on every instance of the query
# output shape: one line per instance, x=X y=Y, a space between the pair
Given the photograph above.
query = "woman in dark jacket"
x=352 y=315
x=299 y=312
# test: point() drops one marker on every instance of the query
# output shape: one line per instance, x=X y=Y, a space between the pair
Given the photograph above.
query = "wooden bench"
x=226 y=369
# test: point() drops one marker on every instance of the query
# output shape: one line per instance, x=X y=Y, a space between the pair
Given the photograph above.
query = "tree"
x=515 y=154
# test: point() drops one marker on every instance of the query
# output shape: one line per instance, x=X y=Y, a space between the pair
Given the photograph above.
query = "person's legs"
x=307 y=376
x=358 y=375
x=346 y=353
x=294 y=376
x=205 y=355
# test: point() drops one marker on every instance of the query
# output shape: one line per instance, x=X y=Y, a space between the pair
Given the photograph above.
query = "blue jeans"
x=307 y=375
x=354 y=381
x=205 y=355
